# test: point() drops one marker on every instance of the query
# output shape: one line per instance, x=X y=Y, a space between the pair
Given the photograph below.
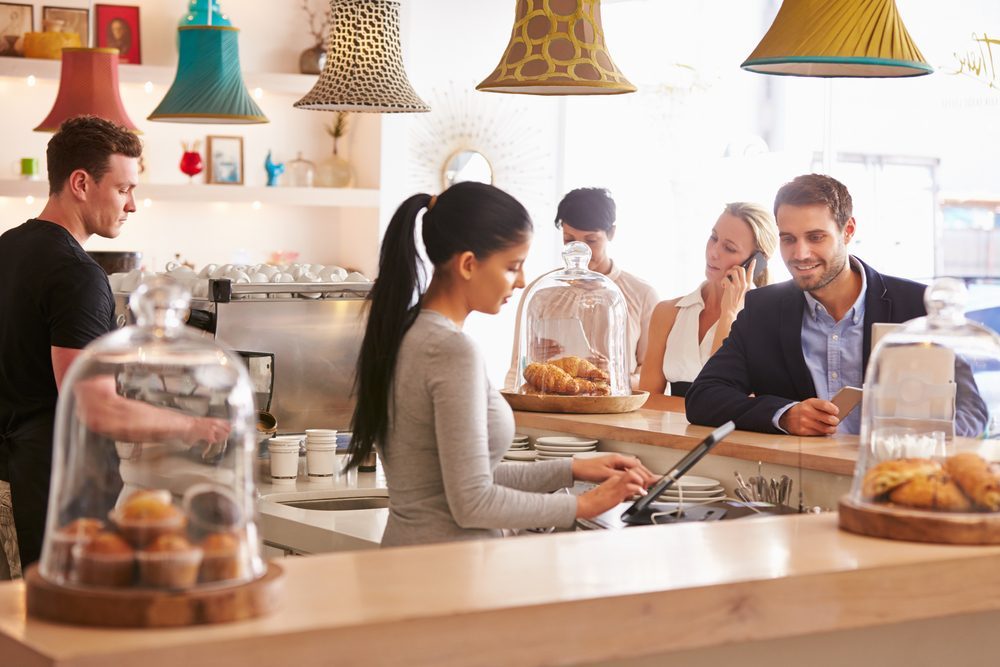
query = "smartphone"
x=758 y=267
x=846 y=400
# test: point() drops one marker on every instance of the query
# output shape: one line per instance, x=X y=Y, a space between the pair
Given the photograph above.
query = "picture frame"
x=16 y=19
x=225 y=160
x=118 y=27
x=75 y=19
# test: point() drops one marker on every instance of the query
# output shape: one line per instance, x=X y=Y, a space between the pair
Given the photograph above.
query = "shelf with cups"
x=191 y=193
x=276 y=82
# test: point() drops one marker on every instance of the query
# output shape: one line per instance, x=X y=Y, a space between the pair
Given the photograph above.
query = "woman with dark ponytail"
x=423 y=396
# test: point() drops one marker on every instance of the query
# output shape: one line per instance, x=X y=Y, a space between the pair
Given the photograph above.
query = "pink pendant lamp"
x=88 y=85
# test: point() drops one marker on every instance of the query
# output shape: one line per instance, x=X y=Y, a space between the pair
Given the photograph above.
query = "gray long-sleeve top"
x=448 y=430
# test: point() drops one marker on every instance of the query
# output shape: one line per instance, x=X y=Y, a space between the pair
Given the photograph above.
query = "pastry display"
x=551 y=379
x=170 y=561
x=78 y=531
x=961 y=483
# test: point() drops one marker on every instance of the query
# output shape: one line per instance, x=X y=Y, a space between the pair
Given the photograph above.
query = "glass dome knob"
x=576 y=255
x=945 y=300
x=161 y=303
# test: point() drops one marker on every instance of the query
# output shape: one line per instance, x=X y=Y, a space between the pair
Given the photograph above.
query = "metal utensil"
x=742 y=494
x=786 y=489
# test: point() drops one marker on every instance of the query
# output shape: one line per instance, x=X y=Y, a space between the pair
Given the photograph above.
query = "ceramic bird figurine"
x=273 y=170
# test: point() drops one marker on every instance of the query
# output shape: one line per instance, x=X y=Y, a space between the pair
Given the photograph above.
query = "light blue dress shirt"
x=834 y=351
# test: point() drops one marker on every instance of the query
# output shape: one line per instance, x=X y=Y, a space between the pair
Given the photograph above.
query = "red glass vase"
x=191 y=163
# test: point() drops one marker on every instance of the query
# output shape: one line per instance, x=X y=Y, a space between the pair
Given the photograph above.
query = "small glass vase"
x=334 y=172
x=312 y=60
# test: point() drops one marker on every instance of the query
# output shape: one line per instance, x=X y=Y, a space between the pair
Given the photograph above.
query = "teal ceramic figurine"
x=273 y=170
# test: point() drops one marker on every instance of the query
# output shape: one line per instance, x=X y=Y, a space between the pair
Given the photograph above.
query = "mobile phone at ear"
x=759 y=266
x=846 y=400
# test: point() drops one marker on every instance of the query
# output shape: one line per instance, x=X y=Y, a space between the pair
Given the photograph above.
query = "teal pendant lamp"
x=209 y=85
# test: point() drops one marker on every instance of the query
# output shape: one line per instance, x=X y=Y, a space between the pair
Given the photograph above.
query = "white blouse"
x=685 y=355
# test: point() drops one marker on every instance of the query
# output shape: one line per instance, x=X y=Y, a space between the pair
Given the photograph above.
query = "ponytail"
x=391 y=313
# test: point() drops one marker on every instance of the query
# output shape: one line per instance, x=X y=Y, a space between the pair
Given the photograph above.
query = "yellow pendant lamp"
x=838 y=38
x=557 y=48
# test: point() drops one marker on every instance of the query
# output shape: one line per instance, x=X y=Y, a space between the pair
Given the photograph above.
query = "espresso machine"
x=300 y=342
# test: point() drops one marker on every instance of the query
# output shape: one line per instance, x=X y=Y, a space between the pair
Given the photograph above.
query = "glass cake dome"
x=929 y=421
x=152 y=475
x=574 y=332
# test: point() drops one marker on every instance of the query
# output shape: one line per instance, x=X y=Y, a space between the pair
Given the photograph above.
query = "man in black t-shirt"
x=55 y=300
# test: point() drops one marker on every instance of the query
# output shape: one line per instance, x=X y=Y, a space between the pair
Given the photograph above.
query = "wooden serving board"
x=147 y=608
x=901 y=523
x=576 y=404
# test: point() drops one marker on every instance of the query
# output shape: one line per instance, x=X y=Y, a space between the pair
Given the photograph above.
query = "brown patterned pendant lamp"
x=557 y=48
x=364 y=62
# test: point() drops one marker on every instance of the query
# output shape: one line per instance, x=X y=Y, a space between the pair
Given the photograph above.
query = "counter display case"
x=152 y=500
x=929 y=463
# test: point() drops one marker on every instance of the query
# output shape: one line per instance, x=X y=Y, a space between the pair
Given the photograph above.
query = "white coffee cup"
x=284 y=458
x=321 y=458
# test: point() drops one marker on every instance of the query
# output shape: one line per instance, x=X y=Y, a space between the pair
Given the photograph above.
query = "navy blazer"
x=763 y=355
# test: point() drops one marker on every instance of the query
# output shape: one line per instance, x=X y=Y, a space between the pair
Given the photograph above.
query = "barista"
x=55 y=300
x=588 y=215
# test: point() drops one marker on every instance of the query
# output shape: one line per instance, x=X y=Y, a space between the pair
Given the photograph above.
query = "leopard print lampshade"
x=364 y=62
x=557 y=48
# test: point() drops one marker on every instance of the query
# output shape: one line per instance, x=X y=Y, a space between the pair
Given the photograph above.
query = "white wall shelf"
x=198 y=193
x=292 y=84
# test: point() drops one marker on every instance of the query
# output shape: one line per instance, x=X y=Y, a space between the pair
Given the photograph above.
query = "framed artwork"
x=15 y=20
x=118 y=28
x=75 y=19
x=225 y=160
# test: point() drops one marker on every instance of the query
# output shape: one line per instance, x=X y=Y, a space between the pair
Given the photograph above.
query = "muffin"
x=170 y=561
x=62 y=541
x=106 y=560
x=222 y=560
x=147 y=515
x=211 y=508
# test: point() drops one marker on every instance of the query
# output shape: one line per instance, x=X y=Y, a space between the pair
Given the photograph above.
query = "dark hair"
x=811 y=189
x=589 y=209
x=467 y=216
x=87 y=142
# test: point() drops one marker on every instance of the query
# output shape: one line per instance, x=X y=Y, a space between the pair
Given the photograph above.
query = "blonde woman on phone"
x=686 y=331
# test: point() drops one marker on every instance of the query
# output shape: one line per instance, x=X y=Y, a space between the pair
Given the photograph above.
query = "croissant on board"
x=594 y=388
x=887 y=475
x=976 y=478
x=933 y=491
x=580 y=368
x=550 y=379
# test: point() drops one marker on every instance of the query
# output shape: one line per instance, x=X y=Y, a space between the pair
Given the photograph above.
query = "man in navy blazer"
x=796 y=343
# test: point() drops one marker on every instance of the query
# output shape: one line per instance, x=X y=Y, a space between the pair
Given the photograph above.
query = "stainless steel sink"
x=334 y=504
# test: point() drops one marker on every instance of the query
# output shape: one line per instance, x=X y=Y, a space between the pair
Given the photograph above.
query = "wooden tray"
x=901 y=523
x=147 y=608
x=576 y=404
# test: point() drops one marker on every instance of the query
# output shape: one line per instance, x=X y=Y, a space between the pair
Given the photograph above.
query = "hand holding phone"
x=846 y=400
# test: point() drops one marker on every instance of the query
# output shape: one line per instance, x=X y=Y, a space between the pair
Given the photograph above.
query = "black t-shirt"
x=51 y=294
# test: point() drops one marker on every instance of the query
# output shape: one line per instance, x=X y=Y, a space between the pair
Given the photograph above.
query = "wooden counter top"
x=554 y=599
x=666 y=428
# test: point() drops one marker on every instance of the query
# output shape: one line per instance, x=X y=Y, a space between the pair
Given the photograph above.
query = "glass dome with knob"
x=930 y=444
x=573 y=332
x=153 y=461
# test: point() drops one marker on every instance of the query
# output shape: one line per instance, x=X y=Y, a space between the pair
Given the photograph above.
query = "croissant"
x=887 y=475
x=974 y=476
x=550 y=379
x=593 y=388
x=934 y=491
x=581 y=368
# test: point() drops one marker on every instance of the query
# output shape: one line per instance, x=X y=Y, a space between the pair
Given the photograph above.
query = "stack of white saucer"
x=694 y=489
x=520 y=450
x=564 y=446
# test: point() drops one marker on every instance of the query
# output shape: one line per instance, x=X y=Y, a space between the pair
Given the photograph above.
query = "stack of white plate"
x=519 y=450
x=695 y=490
x=563 y=446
